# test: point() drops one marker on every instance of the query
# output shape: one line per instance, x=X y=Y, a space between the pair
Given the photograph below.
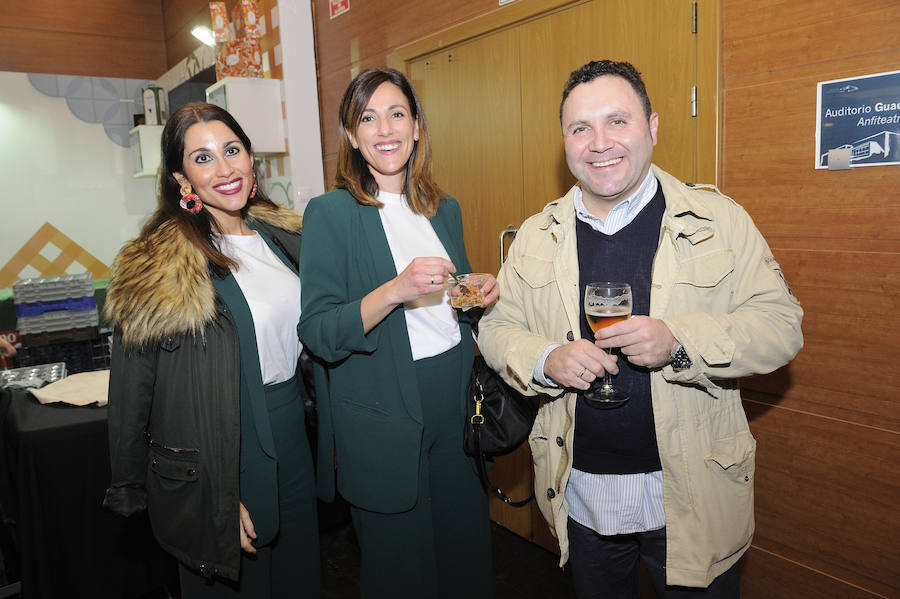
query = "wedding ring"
x=580 y=374
x=432 y=279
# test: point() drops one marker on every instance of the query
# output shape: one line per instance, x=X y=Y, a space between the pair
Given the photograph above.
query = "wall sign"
x=338 y=7
x=858 y=118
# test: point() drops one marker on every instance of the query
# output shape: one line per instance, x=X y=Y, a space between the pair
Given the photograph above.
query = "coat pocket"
x=377 y=458
x=707 y=270
x=734 y=459
x=536 y=272
x=174 y=495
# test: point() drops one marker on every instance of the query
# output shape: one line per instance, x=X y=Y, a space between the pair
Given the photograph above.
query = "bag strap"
x=489 y=488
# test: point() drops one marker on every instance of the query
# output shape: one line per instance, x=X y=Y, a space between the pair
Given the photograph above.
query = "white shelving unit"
x=145 y=150
x=256 y=104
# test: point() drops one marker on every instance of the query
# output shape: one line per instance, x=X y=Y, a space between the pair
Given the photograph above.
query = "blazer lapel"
x=377 y=241
x=395 y=331
x=230 y=292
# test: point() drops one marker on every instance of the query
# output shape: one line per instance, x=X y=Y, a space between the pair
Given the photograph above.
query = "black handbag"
x=498 y=420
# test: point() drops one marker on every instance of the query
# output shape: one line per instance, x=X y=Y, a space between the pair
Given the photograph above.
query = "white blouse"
x=272 y=291
x=431 y=322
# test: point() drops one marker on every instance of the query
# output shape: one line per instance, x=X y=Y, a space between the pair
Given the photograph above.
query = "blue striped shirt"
x=612 y=504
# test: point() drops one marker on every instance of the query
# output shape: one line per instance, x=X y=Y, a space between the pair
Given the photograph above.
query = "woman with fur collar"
x=206 y=422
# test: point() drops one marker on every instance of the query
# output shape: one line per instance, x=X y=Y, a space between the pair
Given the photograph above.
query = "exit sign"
x=339 y=7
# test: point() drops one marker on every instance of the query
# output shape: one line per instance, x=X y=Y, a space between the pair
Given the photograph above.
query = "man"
x=667 y=477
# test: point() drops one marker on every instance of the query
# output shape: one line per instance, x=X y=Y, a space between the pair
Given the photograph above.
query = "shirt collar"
x=622 y=213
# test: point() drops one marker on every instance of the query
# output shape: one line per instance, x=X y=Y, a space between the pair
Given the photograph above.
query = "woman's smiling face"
x=219 y=168
x=386 y=135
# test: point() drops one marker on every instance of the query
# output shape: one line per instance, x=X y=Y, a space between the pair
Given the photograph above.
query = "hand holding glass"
x=605 y=304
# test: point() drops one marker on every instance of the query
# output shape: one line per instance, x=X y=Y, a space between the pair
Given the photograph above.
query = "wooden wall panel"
x=179 y=17
x=106 y=38
x=804 y=32
x=828 y=425
x=60 y=53
x=134 y=19
x=764 y=574
x=825 y=490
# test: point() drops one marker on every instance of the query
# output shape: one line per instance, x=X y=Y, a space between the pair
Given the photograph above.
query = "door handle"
x=509 y=231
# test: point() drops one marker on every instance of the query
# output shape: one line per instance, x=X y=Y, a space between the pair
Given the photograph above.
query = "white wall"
x=59 y=169
x=301 y=100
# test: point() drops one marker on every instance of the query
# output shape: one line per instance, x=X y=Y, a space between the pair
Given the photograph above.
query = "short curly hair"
x=600 y=68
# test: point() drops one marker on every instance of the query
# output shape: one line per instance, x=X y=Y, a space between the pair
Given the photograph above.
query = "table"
x=54 y=470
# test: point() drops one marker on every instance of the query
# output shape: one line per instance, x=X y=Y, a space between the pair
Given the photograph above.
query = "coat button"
x=570 y=336
x=191 y=472
x=156 y=461
x=560 y=442
x=746 y=479
x=551 y=493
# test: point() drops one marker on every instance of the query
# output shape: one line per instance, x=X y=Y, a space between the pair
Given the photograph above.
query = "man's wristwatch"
x=680 y=360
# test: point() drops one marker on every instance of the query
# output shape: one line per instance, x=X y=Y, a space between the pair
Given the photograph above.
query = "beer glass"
x=606 y=304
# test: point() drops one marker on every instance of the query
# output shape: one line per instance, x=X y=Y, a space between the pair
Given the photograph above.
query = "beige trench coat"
x=717 y=286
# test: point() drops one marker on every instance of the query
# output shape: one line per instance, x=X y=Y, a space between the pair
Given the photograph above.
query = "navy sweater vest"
x=620 y=440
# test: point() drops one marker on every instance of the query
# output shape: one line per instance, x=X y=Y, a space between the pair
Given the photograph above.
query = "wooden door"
x=470 y=95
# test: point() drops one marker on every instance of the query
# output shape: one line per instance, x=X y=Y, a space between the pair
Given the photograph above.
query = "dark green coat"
x=183 y=347
x=370 y=409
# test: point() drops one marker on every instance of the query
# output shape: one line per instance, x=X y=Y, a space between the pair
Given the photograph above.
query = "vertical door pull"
x=509 y=231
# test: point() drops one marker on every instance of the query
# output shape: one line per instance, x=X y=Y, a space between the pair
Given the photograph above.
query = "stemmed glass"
x=606 y=304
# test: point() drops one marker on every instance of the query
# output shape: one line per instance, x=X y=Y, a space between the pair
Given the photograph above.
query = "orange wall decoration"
x=69 y=253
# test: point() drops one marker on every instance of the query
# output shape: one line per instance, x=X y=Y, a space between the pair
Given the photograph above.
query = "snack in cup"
x=465 y=290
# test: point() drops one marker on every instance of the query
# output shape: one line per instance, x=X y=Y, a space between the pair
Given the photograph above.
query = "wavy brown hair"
x=198 y=228
x=422 y=193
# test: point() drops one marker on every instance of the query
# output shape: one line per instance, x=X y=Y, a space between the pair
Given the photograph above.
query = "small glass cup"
x=465 y=290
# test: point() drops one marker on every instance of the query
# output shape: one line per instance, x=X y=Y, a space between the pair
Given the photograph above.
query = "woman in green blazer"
x=394 y=356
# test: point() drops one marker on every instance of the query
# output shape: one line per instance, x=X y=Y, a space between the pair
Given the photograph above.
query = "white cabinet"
x=256 y=105
x=145 y=149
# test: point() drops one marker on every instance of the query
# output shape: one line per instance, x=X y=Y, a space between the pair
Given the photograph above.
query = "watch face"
x=681 y=361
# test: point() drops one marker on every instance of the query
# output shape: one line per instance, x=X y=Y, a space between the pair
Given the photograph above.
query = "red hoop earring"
x=190 y=201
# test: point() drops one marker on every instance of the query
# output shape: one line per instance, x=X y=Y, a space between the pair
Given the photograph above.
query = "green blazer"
x=370 y=411
x=259 y=461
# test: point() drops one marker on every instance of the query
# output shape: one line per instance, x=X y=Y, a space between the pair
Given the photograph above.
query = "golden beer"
x=602 y=317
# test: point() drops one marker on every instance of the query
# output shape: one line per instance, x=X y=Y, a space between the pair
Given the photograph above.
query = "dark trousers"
x=607 y=567
x=441 y=548
x=289 y=565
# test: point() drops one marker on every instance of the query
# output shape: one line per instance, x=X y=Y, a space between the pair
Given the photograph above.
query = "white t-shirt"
x=431 y=322
x=272 y=291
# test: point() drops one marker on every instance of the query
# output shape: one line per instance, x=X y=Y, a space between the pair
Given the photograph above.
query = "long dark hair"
x=422 y=193
x=198 y=228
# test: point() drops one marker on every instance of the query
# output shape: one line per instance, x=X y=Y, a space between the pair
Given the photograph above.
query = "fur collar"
x=161 y=286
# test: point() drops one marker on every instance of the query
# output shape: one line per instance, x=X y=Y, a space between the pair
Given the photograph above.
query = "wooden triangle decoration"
x=69 y=253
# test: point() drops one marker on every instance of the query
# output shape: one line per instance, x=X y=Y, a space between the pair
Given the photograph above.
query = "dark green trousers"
x=441 y=547
x=289 y=565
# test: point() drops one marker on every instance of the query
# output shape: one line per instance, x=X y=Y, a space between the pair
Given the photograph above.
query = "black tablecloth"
x=55 y=460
